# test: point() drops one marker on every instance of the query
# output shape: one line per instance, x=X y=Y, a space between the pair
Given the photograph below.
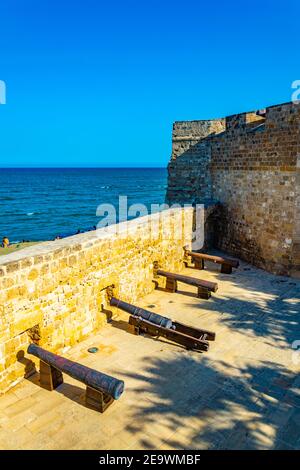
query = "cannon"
x=198 y=259
x=144 y=321
x=204 y=288
x=101 y=389
x=142 y=313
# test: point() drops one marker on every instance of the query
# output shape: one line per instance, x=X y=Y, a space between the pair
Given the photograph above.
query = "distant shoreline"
x=16 y=247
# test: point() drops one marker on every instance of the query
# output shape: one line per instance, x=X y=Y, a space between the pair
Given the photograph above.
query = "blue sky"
x=93 y=83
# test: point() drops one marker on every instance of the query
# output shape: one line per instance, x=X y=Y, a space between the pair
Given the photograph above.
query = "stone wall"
x=54 y=292
x=189 y=178
x=296 y=236
x=251 y=170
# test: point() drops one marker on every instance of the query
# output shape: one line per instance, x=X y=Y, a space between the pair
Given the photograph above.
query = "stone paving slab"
x=241 y=394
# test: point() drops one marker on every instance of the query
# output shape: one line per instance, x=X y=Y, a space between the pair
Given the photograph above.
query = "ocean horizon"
x=41 y=203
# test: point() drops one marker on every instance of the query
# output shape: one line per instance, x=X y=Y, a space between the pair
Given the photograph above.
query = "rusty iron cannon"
x=153 y=324
x=101 y=389
x=199 y=258
x=142 y=313
x=204 y=288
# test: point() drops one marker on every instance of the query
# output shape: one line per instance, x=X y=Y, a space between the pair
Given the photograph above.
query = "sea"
x=42 y=204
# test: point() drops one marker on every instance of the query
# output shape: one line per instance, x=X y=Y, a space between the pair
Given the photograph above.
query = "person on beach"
x=5 y=242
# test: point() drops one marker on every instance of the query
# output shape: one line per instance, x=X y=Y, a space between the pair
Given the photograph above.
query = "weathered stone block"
x=64 y=291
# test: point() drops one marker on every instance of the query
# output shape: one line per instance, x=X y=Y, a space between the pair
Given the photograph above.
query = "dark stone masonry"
x=249 y=163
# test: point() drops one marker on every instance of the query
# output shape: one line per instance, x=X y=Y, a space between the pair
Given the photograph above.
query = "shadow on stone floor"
x=74 y=393
x=272 y=310
x=205 y=404
x=179 y=291
x=120 y=324
x=124 y=326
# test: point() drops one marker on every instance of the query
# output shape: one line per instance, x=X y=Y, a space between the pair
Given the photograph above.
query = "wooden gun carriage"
x=144 y=321
x=199 y=258
x=204 y=288
x=101 y=389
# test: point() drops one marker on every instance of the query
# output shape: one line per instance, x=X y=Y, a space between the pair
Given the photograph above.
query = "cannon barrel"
x=192 y=281
x=142 y=313
x=92 y=378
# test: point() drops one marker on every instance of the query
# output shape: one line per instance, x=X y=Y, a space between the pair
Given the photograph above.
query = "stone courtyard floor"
x=241 y=394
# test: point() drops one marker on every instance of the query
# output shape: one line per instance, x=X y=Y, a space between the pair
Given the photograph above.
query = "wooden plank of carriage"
x=226 y=263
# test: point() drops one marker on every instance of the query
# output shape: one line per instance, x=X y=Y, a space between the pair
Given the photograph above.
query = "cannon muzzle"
x=90 y=377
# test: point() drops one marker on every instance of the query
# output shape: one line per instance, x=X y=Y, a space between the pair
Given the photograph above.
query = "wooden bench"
x=101 y=389
x=198 y=259
x=204 y=288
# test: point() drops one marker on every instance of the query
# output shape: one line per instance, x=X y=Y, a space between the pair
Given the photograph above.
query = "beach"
x=15 y=247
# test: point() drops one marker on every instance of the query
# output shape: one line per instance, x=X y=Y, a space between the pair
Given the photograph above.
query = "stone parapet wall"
x=296 y=235
x=251 y=169
x=257 y=227
x=54 y=292
x=189 y=178
x=186 y=133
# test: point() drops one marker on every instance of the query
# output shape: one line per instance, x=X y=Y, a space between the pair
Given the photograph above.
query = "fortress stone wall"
x=250 y=164
x=54 y=293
